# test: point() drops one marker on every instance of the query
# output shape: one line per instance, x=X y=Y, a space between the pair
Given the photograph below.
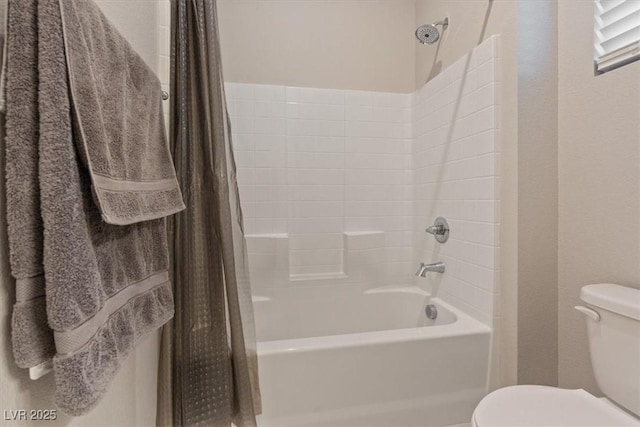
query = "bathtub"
x=347 y=356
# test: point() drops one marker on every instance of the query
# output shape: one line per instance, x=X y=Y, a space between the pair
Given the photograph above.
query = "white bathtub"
x=344 y=356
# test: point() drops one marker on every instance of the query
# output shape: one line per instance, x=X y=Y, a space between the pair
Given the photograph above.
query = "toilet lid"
x=541 y=406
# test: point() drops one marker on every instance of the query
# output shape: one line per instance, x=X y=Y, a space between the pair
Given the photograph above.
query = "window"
x=617 y=33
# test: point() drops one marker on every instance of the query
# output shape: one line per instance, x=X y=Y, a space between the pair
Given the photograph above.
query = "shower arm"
x=444 y=23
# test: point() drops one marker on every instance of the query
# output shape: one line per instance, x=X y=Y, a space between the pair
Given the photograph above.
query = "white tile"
x=331 y=128
x=268 y=93
x=485 y=73
x=315 y=111
x=401 y=100
x=244 y=159
x=271 y=142
x=313 y=176
x=269 y=126
x=321 y=96
x=246 y=176
x=244 y=91
x=270 y=159
x=243 y=142
x=242 y=124
x=269 y=109
x=316 y=225
x=485 y=96
x=329 y=144
x=244 y=108
x=292 y=94
x=485 y=119
x=485 y=51
x=230 y=89
x=353 y=97
x=301 y=127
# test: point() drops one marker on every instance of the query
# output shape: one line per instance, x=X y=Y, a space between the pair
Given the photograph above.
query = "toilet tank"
x=614 y=341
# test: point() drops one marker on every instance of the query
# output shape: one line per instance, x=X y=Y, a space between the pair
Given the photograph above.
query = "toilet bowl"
x=542 y=406
x=613 y=324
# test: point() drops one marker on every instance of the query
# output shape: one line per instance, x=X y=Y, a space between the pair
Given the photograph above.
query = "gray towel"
x=32 y=341
x=118 y=108
x=105 y=285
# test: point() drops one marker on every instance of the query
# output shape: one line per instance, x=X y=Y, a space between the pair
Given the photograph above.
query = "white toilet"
x=613 y=324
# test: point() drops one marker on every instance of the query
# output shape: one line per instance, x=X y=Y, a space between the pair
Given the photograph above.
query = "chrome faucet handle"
x=436 y=230
x=439 y=229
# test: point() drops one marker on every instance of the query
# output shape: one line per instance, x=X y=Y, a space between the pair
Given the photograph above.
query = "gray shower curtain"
x=208 y=366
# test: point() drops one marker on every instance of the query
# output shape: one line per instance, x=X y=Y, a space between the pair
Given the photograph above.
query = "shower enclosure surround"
x=316 y=163
x=337 y=187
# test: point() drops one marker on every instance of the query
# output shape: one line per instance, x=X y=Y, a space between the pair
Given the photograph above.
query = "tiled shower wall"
x=335 y=183
x=316 y=163
x=456 y=175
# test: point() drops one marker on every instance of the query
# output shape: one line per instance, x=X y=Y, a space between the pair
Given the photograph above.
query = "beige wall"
x=131 y=398
x=336 y=44
x=599 y=182
x=471 y=22
x=537 y=192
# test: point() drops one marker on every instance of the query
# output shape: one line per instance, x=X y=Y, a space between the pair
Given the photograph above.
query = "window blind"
x=617 y=33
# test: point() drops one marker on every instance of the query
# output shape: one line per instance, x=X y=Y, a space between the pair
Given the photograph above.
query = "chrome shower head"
x=429 y=33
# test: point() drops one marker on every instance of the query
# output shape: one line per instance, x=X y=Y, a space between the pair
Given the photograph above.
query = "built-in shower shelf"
x=270 y=259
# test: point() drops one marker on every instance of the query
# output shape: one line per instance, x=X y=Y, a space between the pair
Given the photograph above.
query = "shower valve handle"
x=436 y=230
x=439 y=229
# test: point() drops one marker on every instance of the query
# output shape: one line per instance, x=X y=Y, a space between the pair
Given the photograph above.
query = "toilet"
x=613 y=327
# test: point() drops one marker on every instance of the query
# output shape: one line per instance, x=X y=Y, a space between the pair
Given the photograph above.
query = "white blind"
x=617 y=33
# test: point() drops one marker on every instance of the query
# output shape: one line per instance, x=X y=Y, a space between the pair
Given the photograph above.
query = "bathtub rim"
x=463 y=325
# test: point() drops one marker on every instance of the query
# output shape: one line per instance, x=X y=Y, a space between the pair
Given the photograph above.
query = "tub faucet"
x=438 y=267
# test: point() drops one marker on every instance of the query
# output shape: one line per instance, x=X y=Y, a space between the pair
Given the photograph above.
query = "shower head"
x=429 y=33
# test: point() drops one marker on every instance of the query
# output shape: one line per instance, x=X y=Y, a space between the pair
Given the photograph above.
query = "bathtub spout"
x=437 y=267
